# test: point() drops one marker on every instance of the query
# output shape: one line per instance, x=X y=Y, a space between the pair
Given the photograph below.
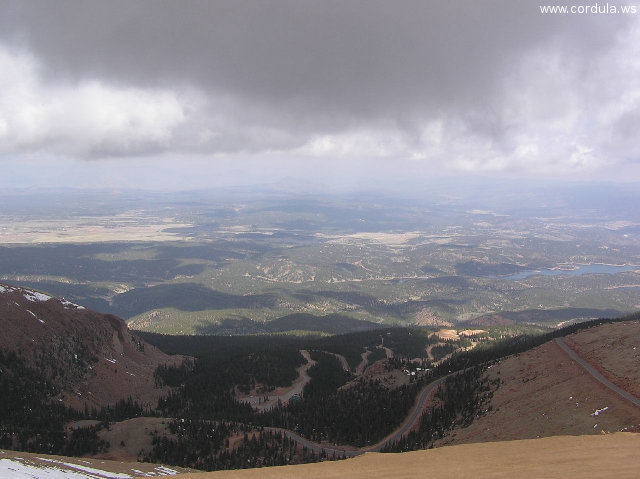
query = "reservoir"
x=572 y=270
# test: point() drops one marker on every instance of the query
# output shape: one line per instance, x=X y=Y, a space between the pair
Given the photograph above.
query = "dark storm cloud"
x=478 y=84
x=347 y=60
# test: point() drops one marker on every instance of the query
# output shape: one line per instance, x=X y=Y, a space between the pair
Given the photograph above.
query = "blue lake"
x=576 y=270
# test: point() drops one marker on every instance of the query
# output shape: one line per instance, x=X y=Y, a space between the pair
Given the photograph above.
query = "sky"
x=317 y=94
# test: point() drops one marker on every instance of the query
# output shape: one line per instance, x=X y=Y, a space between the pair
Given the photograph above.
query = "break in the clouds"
x=464 y=86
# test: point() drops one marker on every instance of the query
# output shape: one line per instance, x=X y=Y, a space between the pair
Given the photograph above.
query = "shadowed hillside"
x=91 y=358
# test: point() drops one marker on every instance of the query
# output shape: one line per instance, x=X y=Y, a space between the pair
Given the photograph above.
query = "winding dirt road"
x=342 y=359
x=414 y=415
x=409 y=423
x=365 y=359
x=364 y=363
x=283 y=394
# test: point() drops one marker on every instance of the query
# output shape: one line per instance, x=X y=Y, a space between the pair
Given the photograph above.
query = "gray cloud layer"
x=470 y=85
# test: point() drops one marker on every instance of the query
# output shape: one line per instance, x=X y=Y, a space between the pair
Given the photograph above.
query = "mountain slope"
x=544 y=392
x=92 y=358
x=24 y=465
x=614 y=455
x=611 y=455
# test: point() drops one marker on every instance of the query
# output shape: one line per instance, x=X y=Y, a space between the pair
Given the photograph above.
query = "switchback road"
x=349 y=451
x=416 y=411
x=283 y=394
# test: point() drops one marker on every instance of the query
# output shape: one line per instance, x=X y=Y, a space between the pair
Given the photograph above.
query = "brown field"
x=585 y=457
x=125 y=227
x=472 y=332
x=136 y=434
x=448 y=334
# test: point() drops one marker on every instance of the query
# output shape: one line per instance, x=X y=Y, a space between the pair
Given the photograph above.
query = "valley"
x=319 y=239
x=317 y=399
x=232 y=264
x=259 y=331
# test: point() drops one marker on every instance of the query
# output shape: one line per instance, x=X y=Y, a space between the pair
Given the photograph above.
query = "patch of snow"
x=143 y=474
x=69 y=304
x=112 y=361
x=166 y=471
x=33 y=314
x=598 y=411
x=34 y=296
x=90 y=470
x=19 y=470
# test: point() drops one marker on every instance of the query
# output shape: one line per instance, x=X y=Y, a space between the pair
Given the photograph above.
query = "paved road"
x=349 y=451
x=634 y=400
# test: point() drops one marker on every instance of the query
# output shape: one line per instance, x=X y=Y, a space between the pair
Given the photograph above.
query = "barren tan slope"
x=602 y=456
x=545 y=393
x=614 y=350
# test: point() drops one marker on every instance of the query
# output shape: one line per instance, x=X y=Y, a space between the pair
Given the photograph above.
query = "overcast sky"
x=180 y=94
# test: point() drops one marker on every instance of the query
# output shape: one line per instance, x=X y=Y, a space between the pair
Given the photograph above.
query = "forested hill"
x=90 y=358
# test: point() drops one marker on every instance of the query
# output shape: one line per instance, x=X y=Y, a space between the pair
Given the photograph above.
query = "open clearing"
x=89 y=230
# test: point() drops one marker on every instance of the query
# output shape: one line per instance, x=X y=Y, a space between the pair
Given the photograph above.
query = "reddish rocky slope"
x=92 y=358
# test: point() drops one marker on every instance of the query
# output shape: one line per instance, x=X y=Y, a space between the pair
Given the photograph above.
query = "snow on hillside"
x=42 y=468
x=18 y=470
x=69 y=304
x=36 y=296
